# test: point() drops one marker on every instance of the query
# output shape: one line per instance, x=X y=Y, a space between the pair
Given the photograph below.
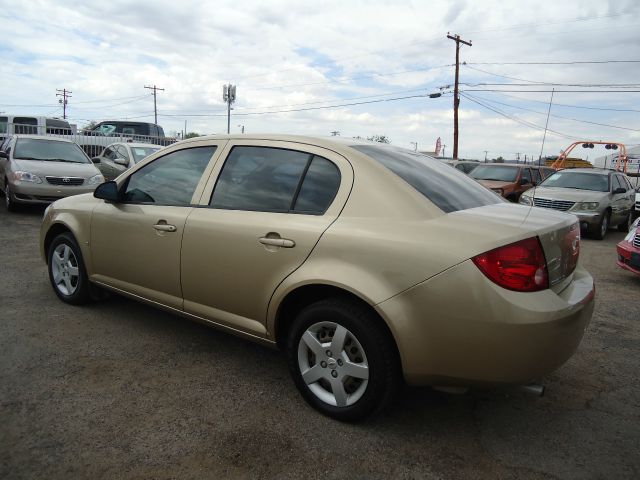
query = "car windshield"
x=141 y=152
x=495 y=172
x=578 y=180
x=446 y=187
x=49 y=150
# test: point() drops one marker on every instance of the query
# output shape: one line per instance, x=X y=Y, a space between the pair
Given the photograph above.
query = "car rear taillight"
x=519 y=266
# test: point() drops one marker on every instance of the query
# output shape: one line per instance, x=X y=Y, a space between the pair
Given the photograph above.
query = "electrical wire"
x=553 y=63
x=546 y=102
x=518 y=120
x=553 y=115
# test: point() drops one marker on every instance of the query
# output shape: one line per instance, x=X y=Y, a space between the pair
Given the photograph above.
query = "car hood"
x=57 y=169
x=495 y=183
x=571 y=194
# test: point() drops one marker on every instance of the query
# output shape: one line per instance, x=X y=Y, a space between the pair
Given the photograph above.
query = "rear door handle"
x=163 y=227
x=277 y=242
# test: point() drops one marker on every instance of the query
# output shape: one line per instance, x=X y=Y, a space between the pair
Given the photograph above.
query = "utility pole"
x=155 y=105
x=518 y=157
x=443 y=147
x=415 y=146
x=335 y=133
x=485 y=155
x=65 y=94
x=456 y=98
x=241 y=128
x=229 y=96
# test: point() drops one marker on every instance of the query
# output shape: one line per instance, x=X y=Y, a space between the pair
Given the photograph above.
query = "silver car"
x=39 y=170
x=119 y=157
x=599 y=198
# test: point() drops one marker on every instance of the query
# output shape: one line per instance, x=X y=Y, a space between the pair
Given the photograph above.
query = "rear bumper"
x=459 y=328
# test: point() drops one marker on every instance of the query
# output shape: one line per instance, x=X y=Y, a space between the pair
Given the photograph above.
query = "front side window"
x=618 y=183
x=526 y=175
x=25 y=125
x=446 y=187
x=169 y=180
x=536 y=175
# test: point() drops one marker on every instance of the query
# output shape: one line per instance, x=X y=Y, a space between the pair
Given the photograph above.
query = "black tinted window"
x=526 y=175
x=259 y=179
x=446 y=187
x=25 y=125
x=618 y=183
x=319 y=187
x=169 y=180
x=536 y=175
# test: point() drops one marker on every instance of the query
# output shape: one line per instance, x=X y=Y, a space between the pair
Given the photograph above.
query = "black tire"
x=626 y=225
x=366 y=338
x=603 y=226
x=70 y=285
x=9 y=202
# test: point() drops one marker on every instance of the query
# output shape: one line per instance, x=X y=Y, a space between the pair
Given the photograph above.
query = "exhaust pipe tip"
x=534 y=389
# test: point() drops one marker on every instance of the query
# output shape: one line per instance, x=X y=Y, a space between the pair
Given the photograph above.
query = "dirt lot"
x=120 y=390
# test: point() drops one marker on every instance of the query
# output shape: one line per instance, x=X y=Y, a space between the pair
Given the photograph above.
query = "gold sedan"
x=367 y=264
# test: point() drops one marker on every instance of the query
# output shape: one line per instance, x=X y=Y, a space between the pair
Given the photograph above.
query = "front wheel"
x=603 y=227
x=343 y=361
x=8 y=199
x=67 y=273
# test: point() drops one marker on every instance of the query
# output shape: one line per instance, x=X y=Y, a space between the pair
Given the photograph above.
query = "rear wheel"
x=343 y=361
x=604 y=226
x=66 y=270
x=626 y=225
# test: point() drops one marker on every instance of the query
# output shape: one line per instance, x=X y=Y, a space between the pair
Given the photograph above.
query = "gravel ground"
x=117 y=389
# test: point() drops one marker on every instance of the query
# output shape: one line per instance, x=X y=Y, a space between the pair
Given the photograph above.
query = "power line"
x=549 y=91
x=554 y=63
x=559 y=116
x=568 y=105
x=518 y=120
x=300 y=109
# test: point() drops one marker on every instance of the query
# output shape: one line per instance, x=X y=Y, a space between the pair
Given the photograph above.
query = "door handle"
x=277 y=242
x=163 y=227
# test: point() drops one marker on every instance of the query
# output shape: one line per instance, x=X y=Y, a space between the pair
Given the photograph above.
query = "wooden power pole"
x=456 y=97
x=155 y=104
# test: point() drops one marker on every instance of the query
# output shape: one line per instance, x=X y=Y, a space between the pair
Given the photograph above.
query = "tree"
x=379 y=138
x=192 y=135
x=499 y=160
x=90 y=126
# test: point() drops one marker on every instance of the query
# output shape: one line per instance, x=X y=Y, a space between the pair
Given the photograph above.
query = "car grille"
x=636 y=239
x=563 y=205
x=65 y=180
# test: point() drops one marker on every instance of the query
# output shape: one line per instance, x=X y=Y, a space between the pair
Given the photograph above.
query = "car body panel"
x=380 y=240
x=629 y=249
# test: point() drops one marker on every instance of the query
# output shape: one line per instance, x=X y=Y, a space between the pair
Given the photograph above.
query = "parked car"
x=94 y=141
x=367 y=264
x=464 y=166
x=599 y=198
x=506 y=179
x=40 y=170
x=629 y=249
x=33 y=125
x=118 y=157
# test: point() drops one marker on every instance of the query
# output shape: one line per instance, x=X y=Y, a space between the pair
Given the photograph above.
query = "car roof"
x=134 y=144
x=594 y=171
x=43 y=137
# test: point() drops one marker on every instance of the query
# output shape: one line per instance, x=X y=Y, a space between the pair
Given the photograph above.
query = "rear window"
x=446 y=187
x=495 y=172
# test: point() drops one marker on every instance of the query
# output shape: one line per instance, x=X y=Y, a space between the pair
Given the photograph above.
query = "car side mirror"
x=95 y=159
x=4 y=155
x=619 y=190
x=107 y=191
x=121 y=161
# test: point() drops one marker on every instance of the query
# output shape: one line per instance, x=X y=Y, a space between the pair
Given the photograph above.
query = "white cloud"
x=286 y=55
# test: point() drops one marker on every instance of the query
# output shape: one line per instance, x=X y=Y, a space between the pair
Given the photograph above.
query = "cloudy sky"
x=358 y=67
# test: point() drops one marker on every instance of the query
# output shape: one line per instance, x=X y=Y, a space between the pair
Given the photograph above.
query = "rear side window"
x=169 y=180
x=267 y=179
x=446 y=187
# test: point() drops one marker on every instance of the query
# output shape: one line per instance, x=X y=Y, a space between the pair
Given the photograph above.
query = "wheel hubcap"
x=605 y=225
x=333 y=364
x=64 y=266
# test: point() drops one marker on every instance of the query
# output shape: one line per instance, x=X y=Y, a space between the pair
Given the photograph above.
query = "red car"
x=629 y=249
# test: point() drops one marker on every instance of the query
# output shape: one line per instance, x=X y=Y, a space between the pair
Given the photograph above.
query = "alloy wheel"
x=333 y=364
x=64 y=267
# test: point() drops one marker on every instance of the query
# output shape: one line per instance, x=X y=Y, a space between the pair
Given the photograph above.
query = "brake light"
x=519 y=266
